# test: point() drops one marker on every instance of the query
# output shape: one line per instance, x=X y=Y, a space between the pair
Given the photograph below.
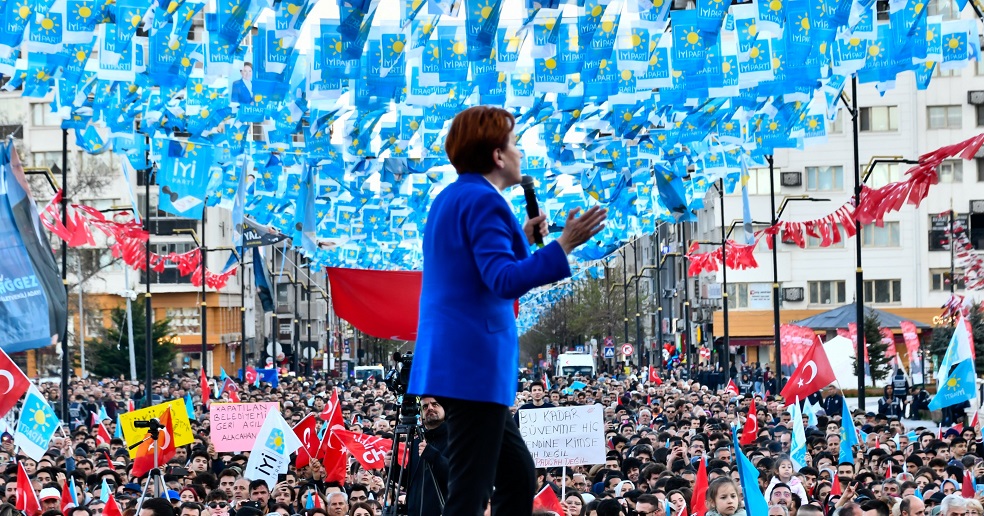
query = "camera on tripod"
x=398 y=378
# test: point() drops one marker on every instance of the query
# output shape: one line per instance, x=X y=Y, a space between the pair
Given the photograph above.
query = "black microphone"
x=532 y=208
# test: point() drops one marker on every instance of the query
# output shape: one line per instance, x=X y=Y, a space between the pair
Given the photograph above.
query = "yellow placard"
x=179 y=419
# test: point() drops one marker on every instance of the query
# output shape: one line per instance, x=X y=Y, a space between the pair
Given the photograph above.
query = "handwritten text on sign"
x=564 y=436
x=234 y=425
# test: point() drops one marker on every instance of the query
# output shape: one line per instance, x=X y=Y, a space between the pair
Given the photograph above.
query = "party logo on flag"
x=36 y=426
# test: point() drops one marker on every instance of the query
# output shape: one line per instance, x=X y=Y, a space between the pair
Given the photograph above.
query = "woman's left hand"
x=538 y=223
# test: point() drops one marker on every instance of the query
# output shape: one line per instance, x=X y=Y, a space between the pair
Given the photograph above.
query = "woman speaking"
x=476 y=264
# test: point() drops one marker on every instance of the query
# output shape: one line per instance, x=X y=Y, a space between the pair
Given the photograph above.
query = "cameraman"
x=428 y=469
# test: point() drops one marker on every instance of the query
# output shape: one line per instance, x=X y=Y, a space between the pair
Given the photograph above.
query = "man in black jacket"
x=428 y=471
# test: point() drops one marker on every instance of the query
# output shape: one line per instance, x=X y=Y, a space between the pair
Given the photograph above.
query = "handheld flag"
x=732 y=388
x=102 y=435
x=848 y=435
x=958 y=386
x=748 y=477
x=271 y=454
x=206 y=391
x=812 y=374
x=14 y=381
x=797 y=451
x=36 y=426
x=749 y=432
x=164 y=447
x=307 y=432
x=67 y=497
x=654 y=376
x=367 y=449
x=698 y=501
x=546 y=499
x=27 y=499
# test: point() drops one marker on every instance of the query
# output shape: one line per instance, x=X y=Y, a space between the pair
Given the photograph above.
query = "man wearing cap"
x=49 y=498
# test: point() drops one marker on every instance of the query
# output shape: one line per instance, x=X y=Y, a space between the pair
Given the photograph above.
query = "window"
x=883 y=174
x=828 y=292
x=939 y=279
x=980 y=169
x=737 y=295
x=46 y=159
x=885 y=236
x=824 y=179
x=879 y=118
x=939 y=223
x=979 y=112
x=185 y=320
x=944 y=117
x=883 y=291
x=41 y=115
x=940 y=73
x=758 y=181
x=814 y=243
x=950 y=171
x=837 y=126
x=946 y=8
x=882 y=10
x=94 y=324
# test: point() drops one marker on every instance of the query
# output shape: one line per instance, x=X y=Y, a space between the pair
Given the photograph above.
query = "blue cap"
x=173 y=495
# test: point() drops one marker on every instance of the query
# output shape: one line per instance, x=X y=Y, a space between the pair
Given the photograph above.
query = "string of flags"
x=330 y=128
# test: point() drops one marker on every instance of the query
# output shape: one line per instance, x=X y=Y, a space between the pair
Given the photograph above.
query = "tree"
x=942 y=333
x=879 y=364
x=111 y=355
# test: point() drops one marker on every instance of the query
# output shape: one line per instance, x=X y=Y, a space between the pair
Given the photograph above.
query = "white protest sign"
x=564 y=436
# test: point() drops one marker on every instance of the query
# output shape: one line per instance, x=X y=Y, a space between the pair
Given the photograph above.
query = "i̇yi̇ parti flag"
x=957 y=386
x=36 y=426
x=848 y=435
x=748 y=477
x=797 y=450
x=275 y=442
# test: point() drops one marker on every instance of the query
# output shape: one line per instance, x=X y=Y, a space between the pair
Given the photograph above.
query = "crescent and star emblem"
x=813 y=373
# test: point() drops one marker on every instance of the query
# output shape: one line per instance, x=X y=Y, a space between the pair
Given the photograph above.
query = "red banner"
x=795 y=342
x=888 y=339
x=383 y=304
x=911 y=337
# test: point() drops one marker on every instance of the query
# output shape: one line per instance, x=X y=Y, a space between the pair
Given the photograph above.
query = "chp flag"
x=812 y=374
x=270 y=456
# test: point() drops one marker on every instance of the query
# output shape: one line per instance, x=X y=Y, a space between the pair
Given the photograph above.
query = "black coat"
x=422 y=496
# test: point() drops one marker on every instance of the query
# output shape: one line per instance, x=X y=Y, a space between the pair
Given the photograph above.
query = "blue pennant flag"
x=848 y=434
x=958 y=387
x=748 y=476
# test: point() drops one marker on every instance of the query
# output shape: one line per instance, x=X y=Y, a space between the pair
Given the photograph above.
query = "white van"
x=570 y=364
x=364 y=372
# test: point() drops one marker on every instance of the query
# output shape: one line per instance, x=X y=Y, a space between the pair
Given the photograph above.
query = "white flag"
x=271 y=454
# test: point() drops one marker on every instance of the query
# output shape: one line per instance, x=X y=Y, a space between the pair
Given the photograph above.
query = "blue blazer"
x=476 y=264
x=240 y=93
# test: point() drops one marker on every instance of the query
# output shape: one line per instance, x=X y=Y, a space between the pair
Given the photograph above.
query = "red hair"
x=475 y=133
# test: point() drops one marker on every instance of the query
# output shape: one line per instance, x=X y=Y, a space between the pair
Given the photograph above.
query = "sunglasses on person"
x=218 y=505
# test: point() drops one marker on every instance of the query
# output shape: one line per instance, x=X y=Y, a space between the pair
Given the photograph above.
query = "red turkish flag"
x=749 y=432
x=144 y=461
x=369 y=450
x=654 y=376
x=206 y=391
x=546 y=499
x=102 y=435
x=14 y=384
x=112 y=508
x=812 y=374
x=27 y=499
x=307 y=432
x=332 y=414
x=250 y=375
x=698 y=500
x=67 y=500
x=732 y=388
x=361 y=296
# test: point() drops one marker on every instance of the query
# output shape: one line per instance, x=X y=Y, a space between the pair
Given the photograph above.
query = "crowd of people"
x=657 y=436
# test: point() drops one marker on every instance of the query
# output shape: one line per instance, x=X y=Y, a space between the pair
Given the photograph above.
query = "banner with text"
x=234 y=426
x=179 y=418
x=564 y=436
